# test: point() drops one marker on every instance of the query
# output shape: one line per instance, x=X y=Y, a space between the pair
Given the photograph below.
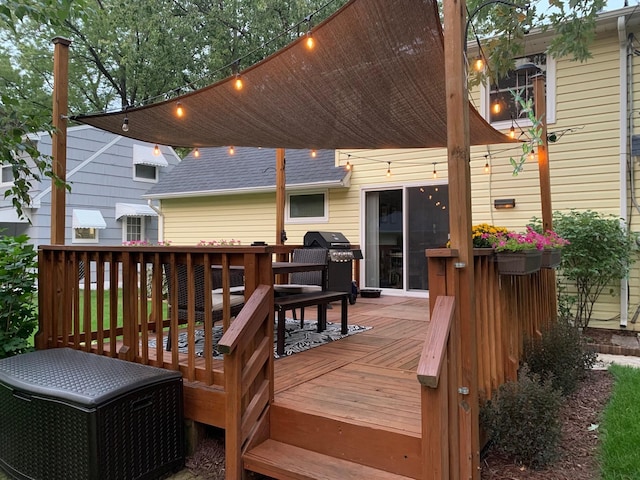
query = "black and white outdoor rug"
x=296 y=339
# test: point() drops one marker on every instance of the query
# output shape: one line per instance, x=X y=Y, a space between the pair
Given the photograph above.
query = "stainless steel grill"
x=340 y=258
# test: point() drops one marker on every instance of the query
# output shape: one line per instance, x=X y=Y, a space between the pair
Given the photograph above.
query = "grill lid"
x=326 y=240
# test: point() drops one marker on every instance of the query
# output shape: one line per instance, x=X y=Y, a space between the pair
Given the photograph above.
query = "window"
x=307 y=208
x=85 y=235
x=145 y=173
x=85 y=224
x=518 y=81
x=133 y=229
x=7 y=174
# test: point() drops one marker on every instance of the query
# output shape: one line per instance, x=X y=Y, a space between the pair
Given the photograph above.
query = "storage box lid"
x=76 y=376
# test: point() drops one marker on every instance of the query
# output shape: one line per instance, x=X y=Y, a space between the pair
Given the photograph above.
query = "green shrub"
x=18 y=314
x=522 y=419
x=560 y=355
x=600 y=252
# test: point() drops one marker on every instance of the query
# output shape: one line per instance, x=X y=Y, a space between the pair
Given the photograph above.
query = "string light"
x=478 y=64
x=388 y=169
x=179 y=110
x=310 y=42
x=435 y=174
x=156 y=150
x=238 y=84
x=348 y=165
x=232 y=150
x=196 y=153
x=532 y=155
x=314 y=154
x=125 y=124
x=487 y=169
x=496 y=108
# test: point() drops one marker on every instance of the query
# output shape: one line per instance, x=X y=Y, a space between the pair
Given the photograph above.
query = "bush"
x=600 y=251
x=560 y=355
x=19 y=314
x=522 y=419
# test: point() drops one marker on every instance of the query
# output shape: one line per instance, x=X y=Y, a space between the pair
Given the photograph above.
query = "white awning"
x=88 y=219
x=134 y=210
x=144 y=155
x=9 y=215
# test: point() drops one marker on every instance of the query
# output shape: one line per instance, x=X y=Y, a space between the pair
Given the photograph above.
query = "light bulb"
x=125 y=124
x=196 y=153
x=435 y=174
x=478 y=64
x=179 y=110
x=238 y=83
x=532 y=155
x=388 y=172
x=512 y=132
x=486 y=167
x=314 y=154
x=310 y=42
x=232 y=150
x=156 y=150
x=348 y=165
x=496 y=107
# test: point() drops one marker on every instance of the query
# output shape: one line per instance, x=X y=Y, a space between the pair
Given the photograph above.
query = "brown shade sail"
x=375 y=79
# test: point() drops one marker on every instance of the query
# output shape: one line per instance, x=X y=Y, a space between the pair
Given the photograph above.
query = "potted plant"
x=483 y=233
x=551 y=244
x=518 y=253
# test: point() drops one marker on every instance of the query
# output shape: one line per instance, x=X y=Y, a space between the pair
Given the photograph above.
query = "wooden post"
x=540 y=105
x=280 y=194
x=59 y=137
x=464 y=347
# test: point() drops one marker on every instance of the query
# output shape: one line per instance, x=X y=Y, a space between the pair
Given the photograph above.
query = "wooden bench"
x=301 y=300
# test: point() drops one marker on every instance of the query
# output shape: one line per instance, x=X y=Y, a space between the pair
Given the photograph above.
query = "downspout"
x=160 y=220
x=624 y=142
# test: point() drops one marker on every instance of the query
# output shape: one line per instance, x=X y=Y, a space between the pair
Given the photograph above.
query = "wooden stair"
x=287 y=462
x=306 y=445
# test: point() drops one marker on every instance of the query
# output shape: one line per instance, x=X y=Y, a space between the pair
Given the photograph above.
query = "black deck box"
x=67 y=414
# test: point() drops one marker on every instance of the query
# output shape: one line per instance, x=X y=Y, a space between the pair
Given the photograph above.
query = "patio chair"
x=237 y=301
x=304 y=282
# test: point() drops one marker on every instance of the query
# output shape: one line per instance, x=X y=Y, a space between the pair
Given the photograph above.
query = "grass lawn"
x=621 y=427
x=106 y=314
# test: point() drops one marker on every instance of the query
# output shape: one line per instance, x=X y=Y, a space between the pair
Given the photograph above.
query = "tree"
x=19 y=116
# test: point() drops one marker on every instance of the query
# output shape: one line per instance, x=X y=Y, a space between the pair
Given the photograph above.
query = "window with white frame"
x=309 y=207
x=133 y=229
x=519 y=80
x=85 y=235
x=6 y=175
x=145 y=173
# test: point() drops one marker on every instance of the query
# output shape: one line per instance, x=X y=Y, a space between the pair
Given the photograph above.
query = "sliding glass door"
x=399 y=225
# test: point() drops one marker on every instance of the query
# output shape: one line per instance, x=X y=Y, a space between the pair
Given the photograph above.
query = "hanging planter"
x=551 y=257
x=522 y=262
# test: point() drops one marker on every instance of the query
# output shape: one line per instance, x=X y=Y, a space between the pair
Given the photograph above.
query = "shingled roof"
x=250 y=170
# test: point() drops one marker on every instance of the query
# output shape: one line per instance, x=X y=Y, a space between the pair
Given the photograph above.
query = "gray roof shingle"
x=249 y=168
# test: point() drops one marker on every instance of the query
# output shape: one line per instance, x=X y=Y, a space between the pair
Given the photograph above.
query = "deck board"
x=365 y=379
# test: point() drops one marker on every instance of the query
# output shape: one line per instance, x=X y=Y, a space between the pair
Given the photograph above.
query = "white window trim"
x=86 y=240
x=551 y=100
x=5 y=184
x=143 y=232
x=143 y=179
x=323 y=219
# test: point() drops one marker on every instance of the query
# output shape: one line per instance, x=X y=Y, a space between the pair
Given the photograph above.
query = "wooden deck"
x=368 y=378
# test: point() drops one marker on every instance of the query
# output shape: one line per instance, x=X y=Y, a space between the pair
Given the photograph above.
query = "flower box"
x=551 y=257
x=522 y=262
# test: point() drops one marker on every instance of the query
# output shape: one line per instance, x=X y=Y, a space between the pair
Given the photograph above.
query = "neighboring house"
x=108 y=175
x=394 y=202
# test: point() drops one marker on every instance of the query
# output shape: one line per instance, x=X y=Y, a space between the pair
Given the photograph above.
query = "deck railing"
x=508 y=310
x=114 y=301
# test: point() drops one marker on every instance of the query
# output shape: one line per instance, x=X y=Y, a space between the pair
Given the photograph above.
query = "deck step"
x=287 y=462
x=348 y=439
